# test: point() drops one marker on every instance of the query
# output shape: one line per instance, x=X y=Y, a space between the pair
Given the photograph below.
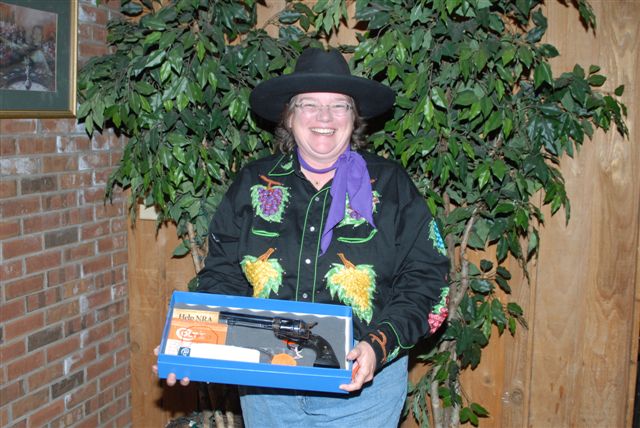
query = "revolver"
x=288 y=329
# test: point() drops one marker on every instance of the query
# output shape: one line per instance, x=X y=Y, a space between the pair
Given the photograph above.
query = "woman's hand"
x=171 y=378
x=363 y=368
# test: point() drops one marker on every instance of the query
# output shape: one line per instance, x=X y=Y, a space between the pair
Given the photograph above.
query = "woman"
x=334 y=226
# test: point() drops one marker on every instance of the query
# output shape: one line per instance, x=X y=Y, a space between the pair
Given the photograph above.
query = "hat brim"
x=269 y=98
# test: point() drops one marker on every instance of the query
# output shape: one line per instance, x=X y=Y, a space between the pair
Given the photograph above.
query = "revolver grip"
x=325 y=356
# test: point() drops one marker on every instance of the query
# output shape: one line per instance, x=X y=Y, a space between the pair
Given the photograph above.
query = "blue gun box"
x=254 y=373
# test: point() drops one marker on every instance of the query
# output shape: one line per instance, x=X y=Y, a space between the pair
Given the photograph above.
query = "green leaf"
x=152 y=38
x=493 y=123
x=596 y=80
x=465 y=98
x=499 y=169
x=532 y=246
x=181 y=250
x=153 y=23
x=165 y=71
x=201 y=50
x=619 y=90
x=503 y=272
x=467 y=415
x=131 y=9
x=88 y=124
x=429 y=110
x=524 y=6
x=503 y=248
x=378 y=20
x=498 y=315
x=481 y=286
x=154 y=59
x=525 y=55
x=458 y=214
x=480 y=58
x=145 y=105
x=500 y=90
x=578 y=71
x=134 y=102
x=144 y=88
x=508 y=54
x=289 y=16
x=514 y=309
x=484 y=175
x=593 y=69
x=452 y=4
x=438 y=97
x=503 y=284
x=479 y=410
x=485 y=265
x=542 y=74
x=178 y=140
x=114 y=112
x=522 y=219
x=168 y=37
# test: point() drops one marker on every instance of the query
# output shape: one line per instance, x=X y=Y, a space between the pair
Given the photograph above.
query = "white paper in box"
x=244 y=356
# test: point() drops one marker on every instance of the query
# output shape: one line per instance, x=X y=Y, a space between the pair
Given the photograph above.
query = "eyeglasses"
x=336 y=109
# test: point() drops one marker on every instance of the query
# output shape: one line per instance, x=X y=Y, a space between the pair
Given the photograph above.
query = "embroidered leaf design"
x=354 y=286
x=269 y=201
x=287 y=166
x=392 y=356
x=436 y=238
x=264 y=274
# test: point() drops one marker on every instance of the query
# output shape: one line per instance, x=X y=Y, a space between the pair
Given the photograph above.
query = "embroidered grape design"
x=440 y=311
x=270 y=200
x=353 y=217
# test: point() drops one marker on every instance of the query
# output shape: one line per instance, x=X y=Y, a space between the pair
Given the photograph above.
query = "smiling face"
x=321 y=136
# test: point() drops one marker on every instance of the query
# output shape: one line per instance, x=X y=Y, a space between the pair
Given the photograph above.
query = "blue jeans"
x=378 y=404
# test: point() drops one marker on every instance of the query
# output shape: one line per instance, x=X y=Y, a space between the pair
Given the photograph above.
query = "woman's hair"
x=285 y=142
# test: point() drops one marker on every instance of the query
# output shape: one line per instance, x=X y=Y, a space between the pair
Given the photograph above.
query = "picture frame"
x=38 y=58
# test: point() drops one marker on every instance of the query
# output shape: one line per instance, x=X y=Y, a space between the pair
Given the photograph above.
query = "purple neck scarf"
x=351 y=179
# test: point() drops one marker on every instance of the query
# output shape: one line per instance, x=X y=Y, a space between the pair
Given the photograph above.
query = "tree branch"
x=458 y=292
x=196 y=252
x=436 y=408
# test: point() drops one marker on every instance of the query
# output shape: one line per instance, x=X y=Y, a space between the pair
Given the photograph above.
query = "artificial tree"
x=480 y=123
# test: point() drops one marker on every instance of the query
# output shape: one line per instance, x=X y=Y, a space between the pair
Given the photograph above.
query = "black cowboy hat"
x=318 y=70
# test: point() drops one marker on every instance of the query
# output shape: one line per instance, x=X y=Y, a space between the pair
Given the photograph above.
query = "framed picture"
x=38 y=46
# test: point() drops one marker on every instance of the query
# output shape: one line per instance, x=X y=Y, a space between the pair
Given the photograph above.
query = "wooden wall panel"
x=153 y=276
x=583 y=325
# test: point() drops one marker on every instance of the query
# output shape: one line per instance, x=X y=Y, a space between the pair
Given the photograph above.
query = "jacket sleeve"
x=417 y=305
x=222 y=273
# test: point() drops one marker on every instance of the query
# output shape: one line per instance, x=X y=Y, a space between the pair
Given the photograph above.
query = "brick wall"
x=64 y=335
